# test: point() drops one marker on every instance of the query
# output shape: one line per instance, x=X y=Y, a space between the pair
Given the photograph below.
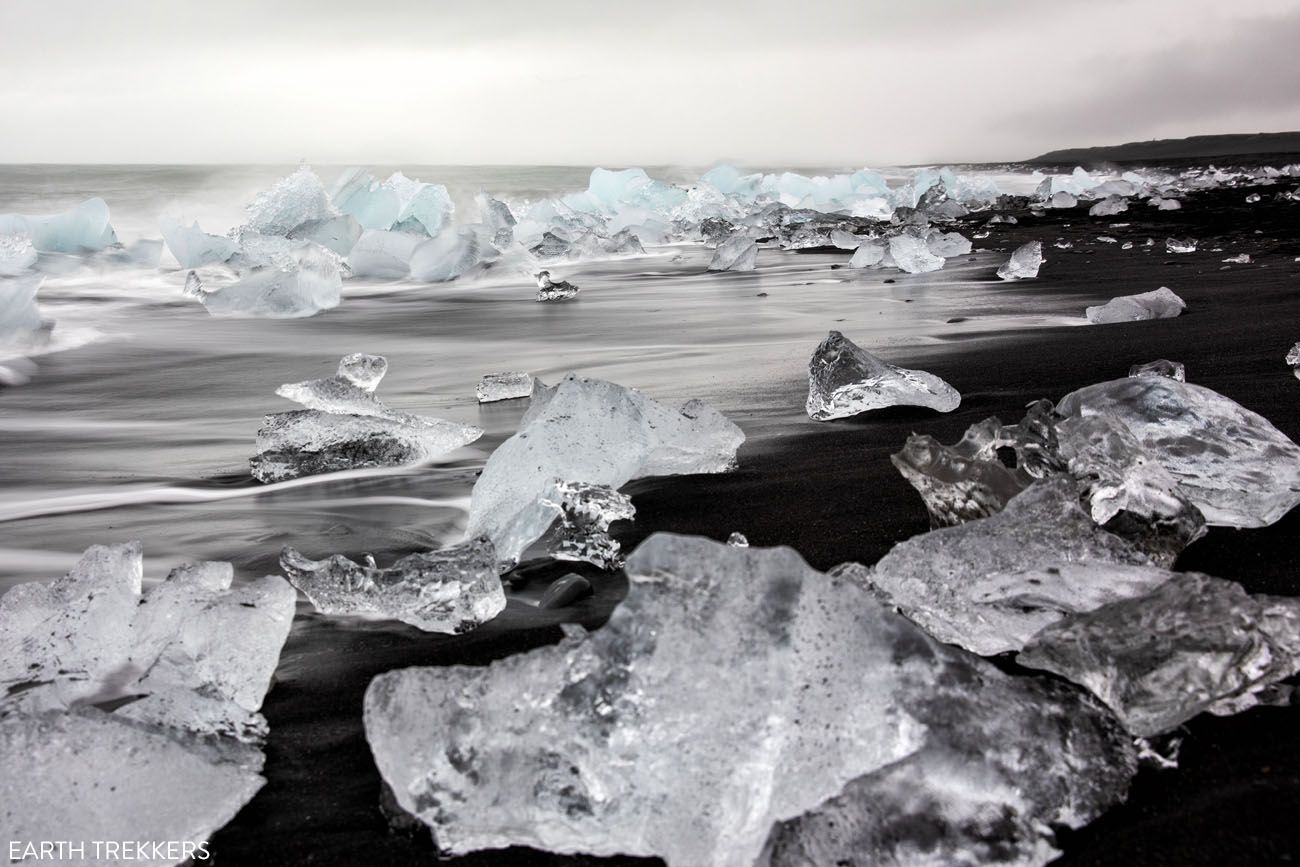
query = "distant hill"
x=1194 y=147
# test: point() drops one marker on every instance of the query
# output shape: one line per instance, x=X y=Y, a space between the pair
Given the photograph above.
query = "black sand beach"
x=829 y=491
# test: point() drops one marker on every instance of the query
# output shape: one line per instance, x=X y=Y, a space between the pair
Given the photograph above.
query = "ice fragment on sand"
x=1180 y=245
x=1109 y=207
x=1192 y=644
x=738 y=540
x=1160 y=367
x=947 y=244
x=1024 y=262
x=589 y=430
x=503 y=386
x=911 y=254
x=1164 y=204
x=1252 y=198
x=737 y=253
x=845 y=380
x=1239 y=259
x=551 y=290
x=16 y=254
x=1062 y=199
x=452 y=590
x=1237 y=468
x=585 y=512
x=869 y=252
x=83 y=228
x=1160 y=303
x=308 y=285
x=1293 y=359
x=351 y=390
x=193 y=247
x=695 y=698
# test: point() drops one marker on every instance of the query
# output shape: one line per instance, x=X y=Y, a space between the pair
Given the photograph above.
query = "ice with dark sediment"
x=1192 y=644
x=549 y=289
x=452 y=590
x=127 y=708
x=911 y=254
x=585 y=512
x=737 y=253
x=845 y=380
x=304 y=286
x=383 y=254
x=592 y=431
x=679 y=730
x=1180 y=245
x=510 y=385
x=17 y=254
x=1024 y=262
x=1162 y=303
x=192 y=247
x=1109 y=207
x=1235 y=466
x=1160 y=367
x=870 y=252
x=346 y=427
x=84 y=228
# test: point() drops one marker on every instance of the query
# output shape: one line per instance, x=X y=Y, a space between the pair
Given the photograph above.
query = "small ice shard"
x=1109 y=207
x=1024 y=262
x=870 y=252
x=192 y=247
x=991 y=584
x=311 y=284
x=1062 y=244
x=550 y=290
x=947 y=244
x=737 y=540
x=290 y=202
x=1293 y=359
x=565 y=592
x=1160 y=367
x=737 y=253
x=345 y=426
x=1180 y=245
x=1127 y=245
x=585 y=513
x=911 y=254
x=16 y=254
x=1106 y=239
x=1160 y=303
x=844 y=240
x=451 y=254
x=1237 y=468
x=1252 y=198
x=503 y=386
x=1239 y=259
x=1062 y=199
x=589 y=430
x=679 y=729
x=845 y=380
x=383 y=254
x=1192 y=644
x=81 y=229
x=453 y=590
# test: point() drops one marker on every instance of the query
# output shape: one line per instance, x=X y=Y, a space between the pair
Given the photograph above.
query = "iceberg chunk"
x=550 y=290
x=592 y=431
x=1024 y=262
x=290 y=202
x=83 y=228
x=336 y=234
x=192 y=247
x=869 y=252
x=961 y=482
x=310 y=284
x=585 y=512
x=845 y=380
x=429 y=205
x=373 y=205
x=911 y=254
x=1237 y=468
x=947 y=244
x=844 y=240
x=503 y=386
x=1062 y=199
x=679 y=730
x=1180 y=245
x=1109 y=207
x=351 y=390
x=453 y=590
x=17 y=254
x=1160 y=303
x=383 y=254
x=737 y=253
x=1192 y=644
x=451 y=254
x=1160 y=367
x=19 y=315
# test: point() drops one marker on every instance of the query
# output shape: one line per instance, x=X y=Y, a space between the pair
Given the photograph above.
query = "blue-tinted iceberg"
x=85 y=228
x=192 y=247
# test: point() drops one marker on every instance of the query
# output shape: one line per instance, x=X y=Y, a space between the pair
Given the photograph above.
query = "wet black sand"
x=829 y=491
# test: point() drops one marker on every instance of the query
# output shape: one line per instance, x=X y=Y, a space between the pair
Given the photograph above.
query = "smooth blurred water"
x=142 y=428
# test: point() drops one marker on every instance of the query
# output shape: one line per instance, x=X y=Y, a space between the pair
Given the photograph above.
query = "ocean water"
x=140 y=426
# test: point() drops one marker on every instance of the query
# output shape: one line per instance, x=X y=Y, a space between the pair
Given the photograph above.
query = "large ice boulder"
x=85 y=228
x=309 y=282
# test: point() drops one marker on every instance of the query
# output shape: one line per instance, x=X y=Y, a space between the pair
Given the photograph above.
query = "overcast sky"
x=759 y=82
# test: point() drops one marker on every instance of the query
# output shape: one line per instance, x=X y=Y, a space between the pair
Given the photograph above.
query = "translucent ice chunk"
x=1062 y=199
x=585 y=513
x=452 y=590
x=844 y=240
x=429 y=205
x=911 y=254
x=989 y=585
x=947 y=244
x=1109 y=207
x=19 y=315
x=1160 y=303
x=16 y=254
x=588 y=430
x=845 y=380
x=737 y=253
x=1239 y=259
x=336 y=234
x=503 y=386
x=551 y=290
x=1024 y=262
x=451 y=254
x=290 y=202
x=1160 y=367
x=373 y=205
x=1292 y=358
x=1237 y=468
x=869 y=252
x=348 y=391
x=83 y=228
x=193 y=247
x=1192 y=644
x=497 y=217
x=312 y=284
x=962 y=482
x=383 y=254
x=695 y=698
x=738 y=540
x=1180 y=245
